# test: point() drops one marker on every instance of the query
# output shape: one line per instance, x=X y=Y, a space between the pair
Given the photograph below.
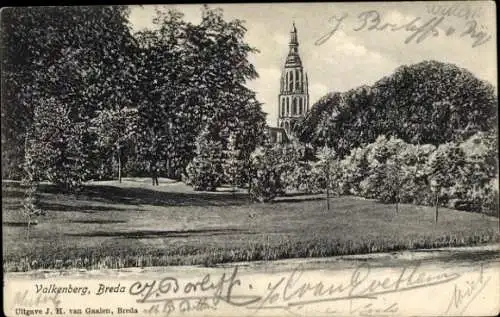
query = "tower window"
x=282 y=107
x=290 y=83
x=300 y=106
x=297 y=81
x=287 y=106
x=294 y=106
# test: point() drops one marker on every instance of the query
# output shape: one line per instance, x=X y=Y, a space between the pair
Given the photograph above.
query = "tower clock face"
x=294 y=94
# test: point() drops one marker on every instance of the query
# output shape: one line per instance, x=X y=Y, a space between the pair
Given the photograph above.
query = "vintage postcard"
x=266 y=159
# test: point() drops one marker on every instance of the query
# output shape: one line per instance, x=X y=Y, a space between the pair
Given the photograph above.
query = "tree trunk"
x=29 y=225
x=154 y=174
x=234 y=185
x=328 y=185
x=249 y=176
x=119 y=165
x=437 y=208
x=170 y=169
x=154 y=178
x=397 y=202
x=327 y=198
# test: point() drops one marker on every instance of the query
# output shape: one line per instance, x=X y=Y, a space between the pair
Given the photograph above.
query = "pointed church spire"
x=293 y=100
x=293 y=35
x=293 y=58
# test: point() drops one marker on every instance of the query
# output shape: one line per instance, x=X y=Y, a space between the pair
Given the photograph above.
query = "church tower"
x=294 y=93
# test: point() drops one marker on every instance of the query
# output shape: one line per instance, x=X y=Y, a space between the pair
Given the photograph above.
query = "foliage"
x=30 y=182
x=77 y=55
x=414 y=184
x=383 y=174
x=142 y=97
x=193 y=76
x=446 y=166
x=425 y=103
x=393 y=171
x=327 y=170
x=56 y=146
x=354 y=169
x=266 y=181
x=233 y=166
x=290 y=163
x=488 y=198
x=205 y=171
x=114 y=130
x=305 y=178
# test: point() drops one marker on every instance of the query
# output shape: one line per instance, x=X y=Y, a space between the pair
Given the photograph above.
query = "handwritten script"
x=287 y=292
x=463 y=294
x=27 y=303
x=418 y=29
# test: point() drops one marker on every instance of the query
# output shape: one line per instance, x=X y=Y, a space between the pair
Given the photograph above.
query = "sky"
x=360 y=51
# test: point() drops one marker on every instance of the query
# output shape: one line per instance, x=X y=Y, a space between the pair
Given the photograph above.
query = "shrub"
x=57 y=145
x=30 y=182
x=383 y=172
x=134 y=167
x=305 y=178
x=460 y=175
x=445 y=169
x=327 y=172
x=266 y=181
x=288 y=159
x=490 y=201
x=205 y=171
x=233 y=166
x=354 y=169
x=414 y=184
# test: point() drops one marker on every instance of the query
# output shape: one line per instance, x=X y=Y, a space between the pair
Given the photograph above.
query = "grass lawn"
x=133 y=224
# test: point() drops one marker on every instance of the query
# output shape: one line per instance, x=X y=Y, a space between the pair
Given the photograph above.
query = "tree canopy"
x=425 y=103
x=77 y=57
x=144 y=97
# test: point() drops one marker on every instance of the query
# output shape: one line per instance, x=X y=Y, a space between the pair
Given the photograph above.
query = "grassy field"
x=133 y=224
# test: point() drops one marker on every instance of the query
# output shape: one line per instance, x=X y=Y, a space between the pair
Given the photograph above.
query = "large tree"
x=77 y=57
x=160 y=67
x=425 y=103
x=193 y=76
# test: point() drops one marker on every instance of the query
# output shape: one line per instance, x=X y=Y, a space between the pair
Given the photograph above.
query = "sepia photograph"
x=259 y=159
